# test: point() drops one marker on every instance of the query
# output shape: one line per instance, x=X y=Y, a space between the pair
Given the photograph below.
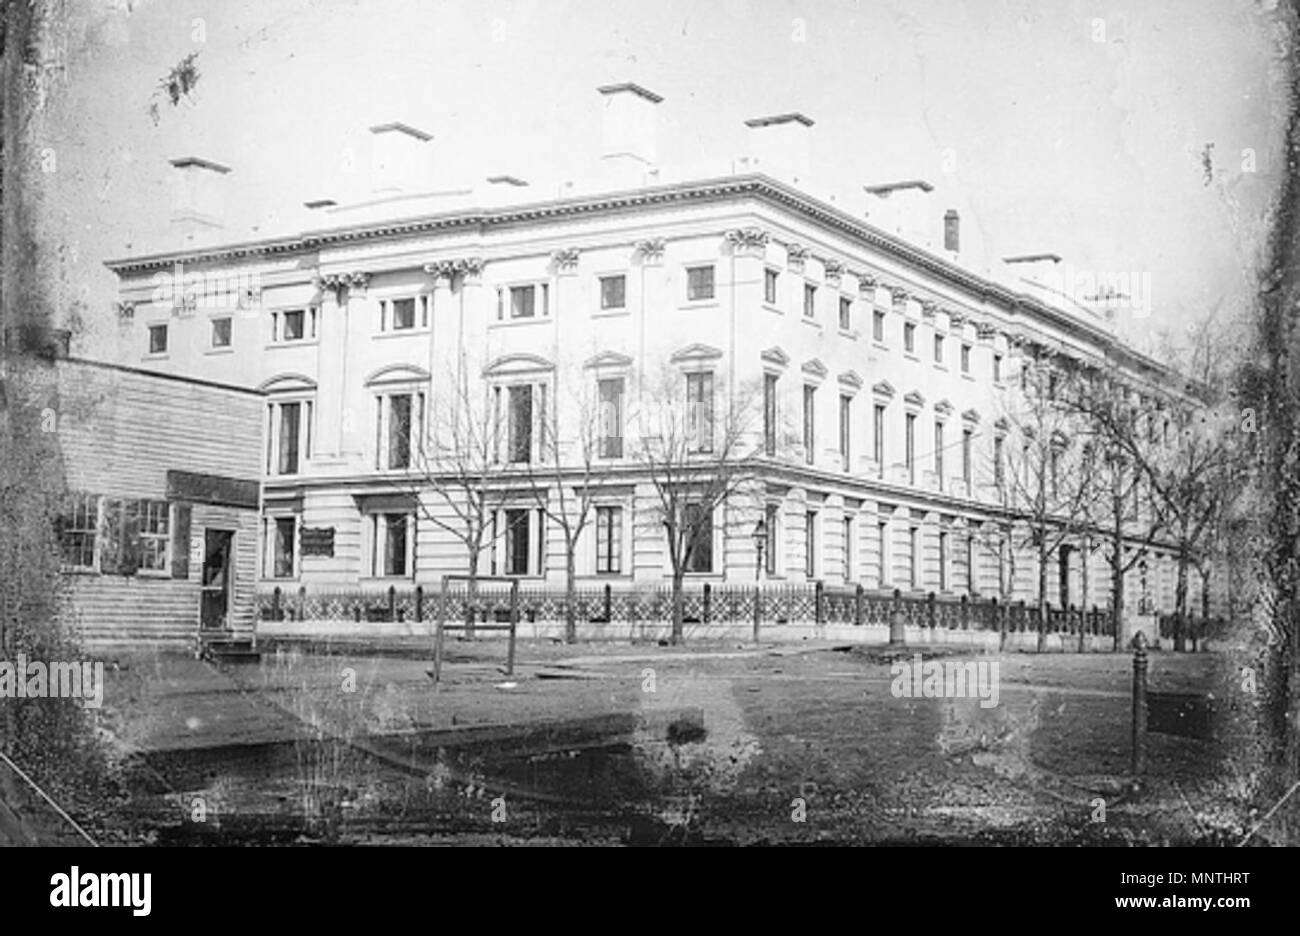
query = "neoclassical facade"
x=881 y=372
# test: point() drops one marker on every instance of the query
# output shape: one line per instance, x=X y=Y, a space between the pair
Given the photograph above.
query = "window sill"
x=811 y=321
x=911 y=357
x=849 y=334
x=941 y=367
x=692 y=304
x=293 y=343
x=159 y=356
x=520 y=322
x=773 y=308
x=217 y=352
x=968 y=376
x=611 y=313
x=155 y=573
x=401 y=332
x=879 y=345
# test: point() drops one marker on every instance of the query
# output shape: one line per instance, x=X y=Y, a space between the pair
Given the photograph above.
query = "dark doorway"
x=214 y=606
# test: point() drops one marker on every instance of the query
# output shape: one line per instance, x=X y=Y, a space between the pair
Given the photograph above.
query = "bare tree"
x=569 y=475
x=455 y=473
x=697 y=456
x=1046 y=479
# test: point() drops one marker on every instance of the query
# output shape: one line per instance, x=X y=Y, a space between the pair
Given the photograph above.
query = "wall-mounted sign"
x=318 y=541
x=212 y=489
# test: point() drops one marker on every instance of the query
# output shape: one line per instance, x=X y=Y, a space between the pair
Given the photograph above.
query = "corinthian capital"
x=750 y=240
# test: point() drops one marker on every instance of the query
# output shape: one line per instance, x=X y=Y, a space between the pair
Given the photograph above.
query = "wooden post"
x=758 y=610
x=609 y=604
x=302 y=602
x=708 y=593
x=437 y=640
x=858 y=609
x=818 y=592
x=514 y=626
x=392 y=603
x=419 y=603
x=1139 y=705
x=275 y=604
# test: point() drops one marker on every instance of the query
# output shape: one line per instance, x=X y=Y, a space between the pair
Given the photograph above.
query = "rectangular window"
x=846 y=412
x=613 y=292
x=878 y=325
x=972 y=570
x=997 y=462
x=769 y=286
x=78 y=526
x=914 y=544
x=997 y=368
x=943 y=562
x=910 y=447
x=878 y=436
x=519 y=428
x=290 y=425
x=771 y=513
x=699 y=283
x=221 y=332
x=909 y=337
x=882 y=540
x=403 y=314
x=395 y=544
x=846 y=313
x=769 y=414
x=938 y=452
x=810 y=544
x=157 y=339
x=848 y=548
x=965 y=359
x=283 y=547
x=966 y=436
x=698 y=538
x=699 y=411
x=517 y=542
x=399 y=430
x=610 y=392
x=809 y=422
x=523 y=302
x=155 y=535
x=609 y=540
x=293 y=324
x=938 y=349
x=809 y=300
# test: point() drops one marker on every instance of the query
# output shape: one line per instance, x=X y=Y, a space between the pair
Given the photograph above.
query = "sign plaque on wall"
x=318 y=541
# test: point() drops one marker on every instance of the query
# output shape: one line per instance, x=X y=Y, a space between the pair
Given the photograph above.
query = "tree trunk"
x=1117 y=573
x=570 y=595
x=471 y=594
x=1083 y=595
x=677 y=607
x=1180 y=604
x=1042 y=590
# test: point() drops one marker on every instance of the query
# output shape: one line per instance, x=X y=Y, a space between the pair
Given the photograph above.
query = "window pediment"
x=288 y=383
x=696 y=354
x=850 y=379
x=517 y=364
x=914 y=399
x=883 y=388
x=815 y=368
x=776 y=357
x=397 y=373
x=608 y=360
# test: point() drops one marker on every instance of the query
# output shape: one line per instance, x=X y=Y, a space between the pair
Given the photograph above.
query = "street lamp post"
x=760 y=544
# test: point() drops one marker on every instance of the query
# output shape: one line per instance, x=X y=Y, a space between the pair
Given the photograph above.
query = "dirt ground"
x=800 y=744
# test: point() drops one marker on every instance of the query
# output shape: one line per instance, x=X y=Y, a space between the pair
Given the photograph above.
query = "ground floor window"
x=698 y=538
x=609 y=540
x=284 y=538
x=392 y=539
x=78 y=529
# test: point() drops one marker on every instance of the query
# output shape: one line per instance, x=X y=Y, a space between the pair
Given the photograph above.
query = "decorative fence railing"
x=812 y=603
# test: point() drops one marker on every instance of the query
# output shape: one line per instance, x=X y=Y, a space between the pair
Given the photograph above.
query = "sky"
x=1139 y=137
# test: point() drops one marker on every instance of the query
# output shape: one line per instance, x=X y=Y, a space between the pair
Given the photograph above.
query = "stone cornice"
x=751 y=185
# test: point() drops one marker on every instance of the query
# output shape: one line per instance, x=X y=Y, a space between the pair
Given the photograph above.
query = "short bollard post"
x=897 y=631
x=1139 y=705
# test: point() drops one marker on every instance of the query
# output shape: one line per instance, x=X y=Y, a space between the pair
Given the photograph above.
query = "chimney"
x=628 y=131
x=901 y=209
x=198 y=196
x=781 y=143
x=952 y=231
x=400 y=157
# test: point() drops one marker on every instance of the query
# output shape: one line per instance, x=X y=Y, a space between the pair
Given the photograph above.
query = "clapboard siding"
x=120 y=432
